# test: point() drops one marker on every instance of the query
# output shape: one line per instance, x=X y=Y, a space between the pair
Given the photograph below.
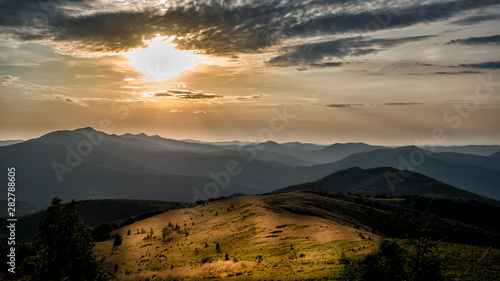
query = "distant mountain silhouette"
x=477 y=174
x=133 y=167
x=9 y=142
x=375 y=182
x=175 y=145
x=482 y=150
x=86 y=164
x=306 y=154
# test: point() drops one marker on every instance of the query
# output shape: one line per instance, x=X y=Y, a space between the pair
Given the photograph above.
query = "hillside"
x=95 y=213
x=298 y=235
x=375 y=181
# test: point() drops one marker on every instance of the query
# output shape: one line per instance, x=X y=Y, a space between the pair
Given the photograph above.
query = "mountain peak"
x=375 y=181
x=85 y=129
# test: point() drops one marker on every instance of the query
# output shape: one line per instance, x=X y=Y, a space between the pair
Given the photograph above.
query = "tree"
x=293 y=253
x=259 y=259
x=391 y=262
x=385 y=264
x=217 y=247
x=63 y=248
x=118 y=240
x=129 y=232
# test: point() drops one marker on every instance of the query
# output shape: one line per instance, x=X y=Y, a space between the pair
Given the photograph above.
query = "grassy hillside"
x=298 y=235
x=96 y=213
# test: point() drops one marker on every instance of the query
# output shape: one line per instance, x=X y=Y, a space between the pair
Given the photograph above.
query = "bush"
x=392 y=263
x=206 y=260
x=118 y=240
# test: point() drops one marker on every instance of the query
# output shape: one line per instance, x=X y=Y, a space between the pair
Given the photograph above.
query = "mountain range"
x=87 y=164
x=373 y=182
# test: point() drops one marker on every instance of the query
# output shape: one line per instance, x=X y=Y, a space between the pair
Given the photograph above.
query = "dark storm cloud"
x=486 y=65
x=230 y=28
x=356 y=46
x=489 y=40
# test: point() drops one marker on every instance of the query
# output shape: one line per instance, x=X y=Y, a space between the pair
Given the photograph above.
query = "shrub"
x=390 y=262
x=118 y=240
x=206 y=260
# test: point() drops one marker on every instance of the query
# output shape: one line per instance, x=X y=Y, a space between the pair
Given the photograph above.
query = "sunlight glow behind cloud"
x=161 y=61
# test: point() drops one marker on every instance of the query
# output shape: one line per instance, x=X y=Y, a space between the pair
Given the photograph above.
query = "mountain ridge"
x=379 y=181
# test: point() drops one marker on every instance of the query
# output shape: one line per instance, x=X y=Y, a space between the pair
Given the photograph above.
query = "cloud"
x=245 y=97
x=486 y=65
x=326 y=64
x=455 y=73
x=227 y=29
x=184 y=94
x=314 y=53
x=6 y=80
x=66 y=99
x=402 y=103
x=475 y=20
x=342 y=105
x=489 y=40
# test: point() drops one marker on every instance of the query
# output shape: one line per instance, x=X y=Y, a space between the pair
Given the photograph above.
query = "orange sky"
x=376 y=73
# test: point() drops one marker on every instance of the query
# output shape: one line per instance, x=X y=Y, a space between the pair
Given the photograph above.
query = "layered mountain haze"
x=482 y=150
x=478 y=174
x=87 y=164
x=376 y=182
x=9 y=142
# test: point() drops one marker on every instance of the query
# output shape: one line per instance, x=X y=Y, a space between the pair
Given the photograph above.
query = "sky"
x=320 y=71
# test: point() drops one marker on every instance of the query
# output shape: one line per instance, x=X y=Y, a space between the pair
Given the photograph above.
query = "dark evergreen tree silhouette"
x=63 y=247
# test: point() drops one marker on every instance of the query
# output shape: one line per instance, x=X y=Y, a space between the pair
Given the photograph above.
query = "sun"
x=161 y=61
